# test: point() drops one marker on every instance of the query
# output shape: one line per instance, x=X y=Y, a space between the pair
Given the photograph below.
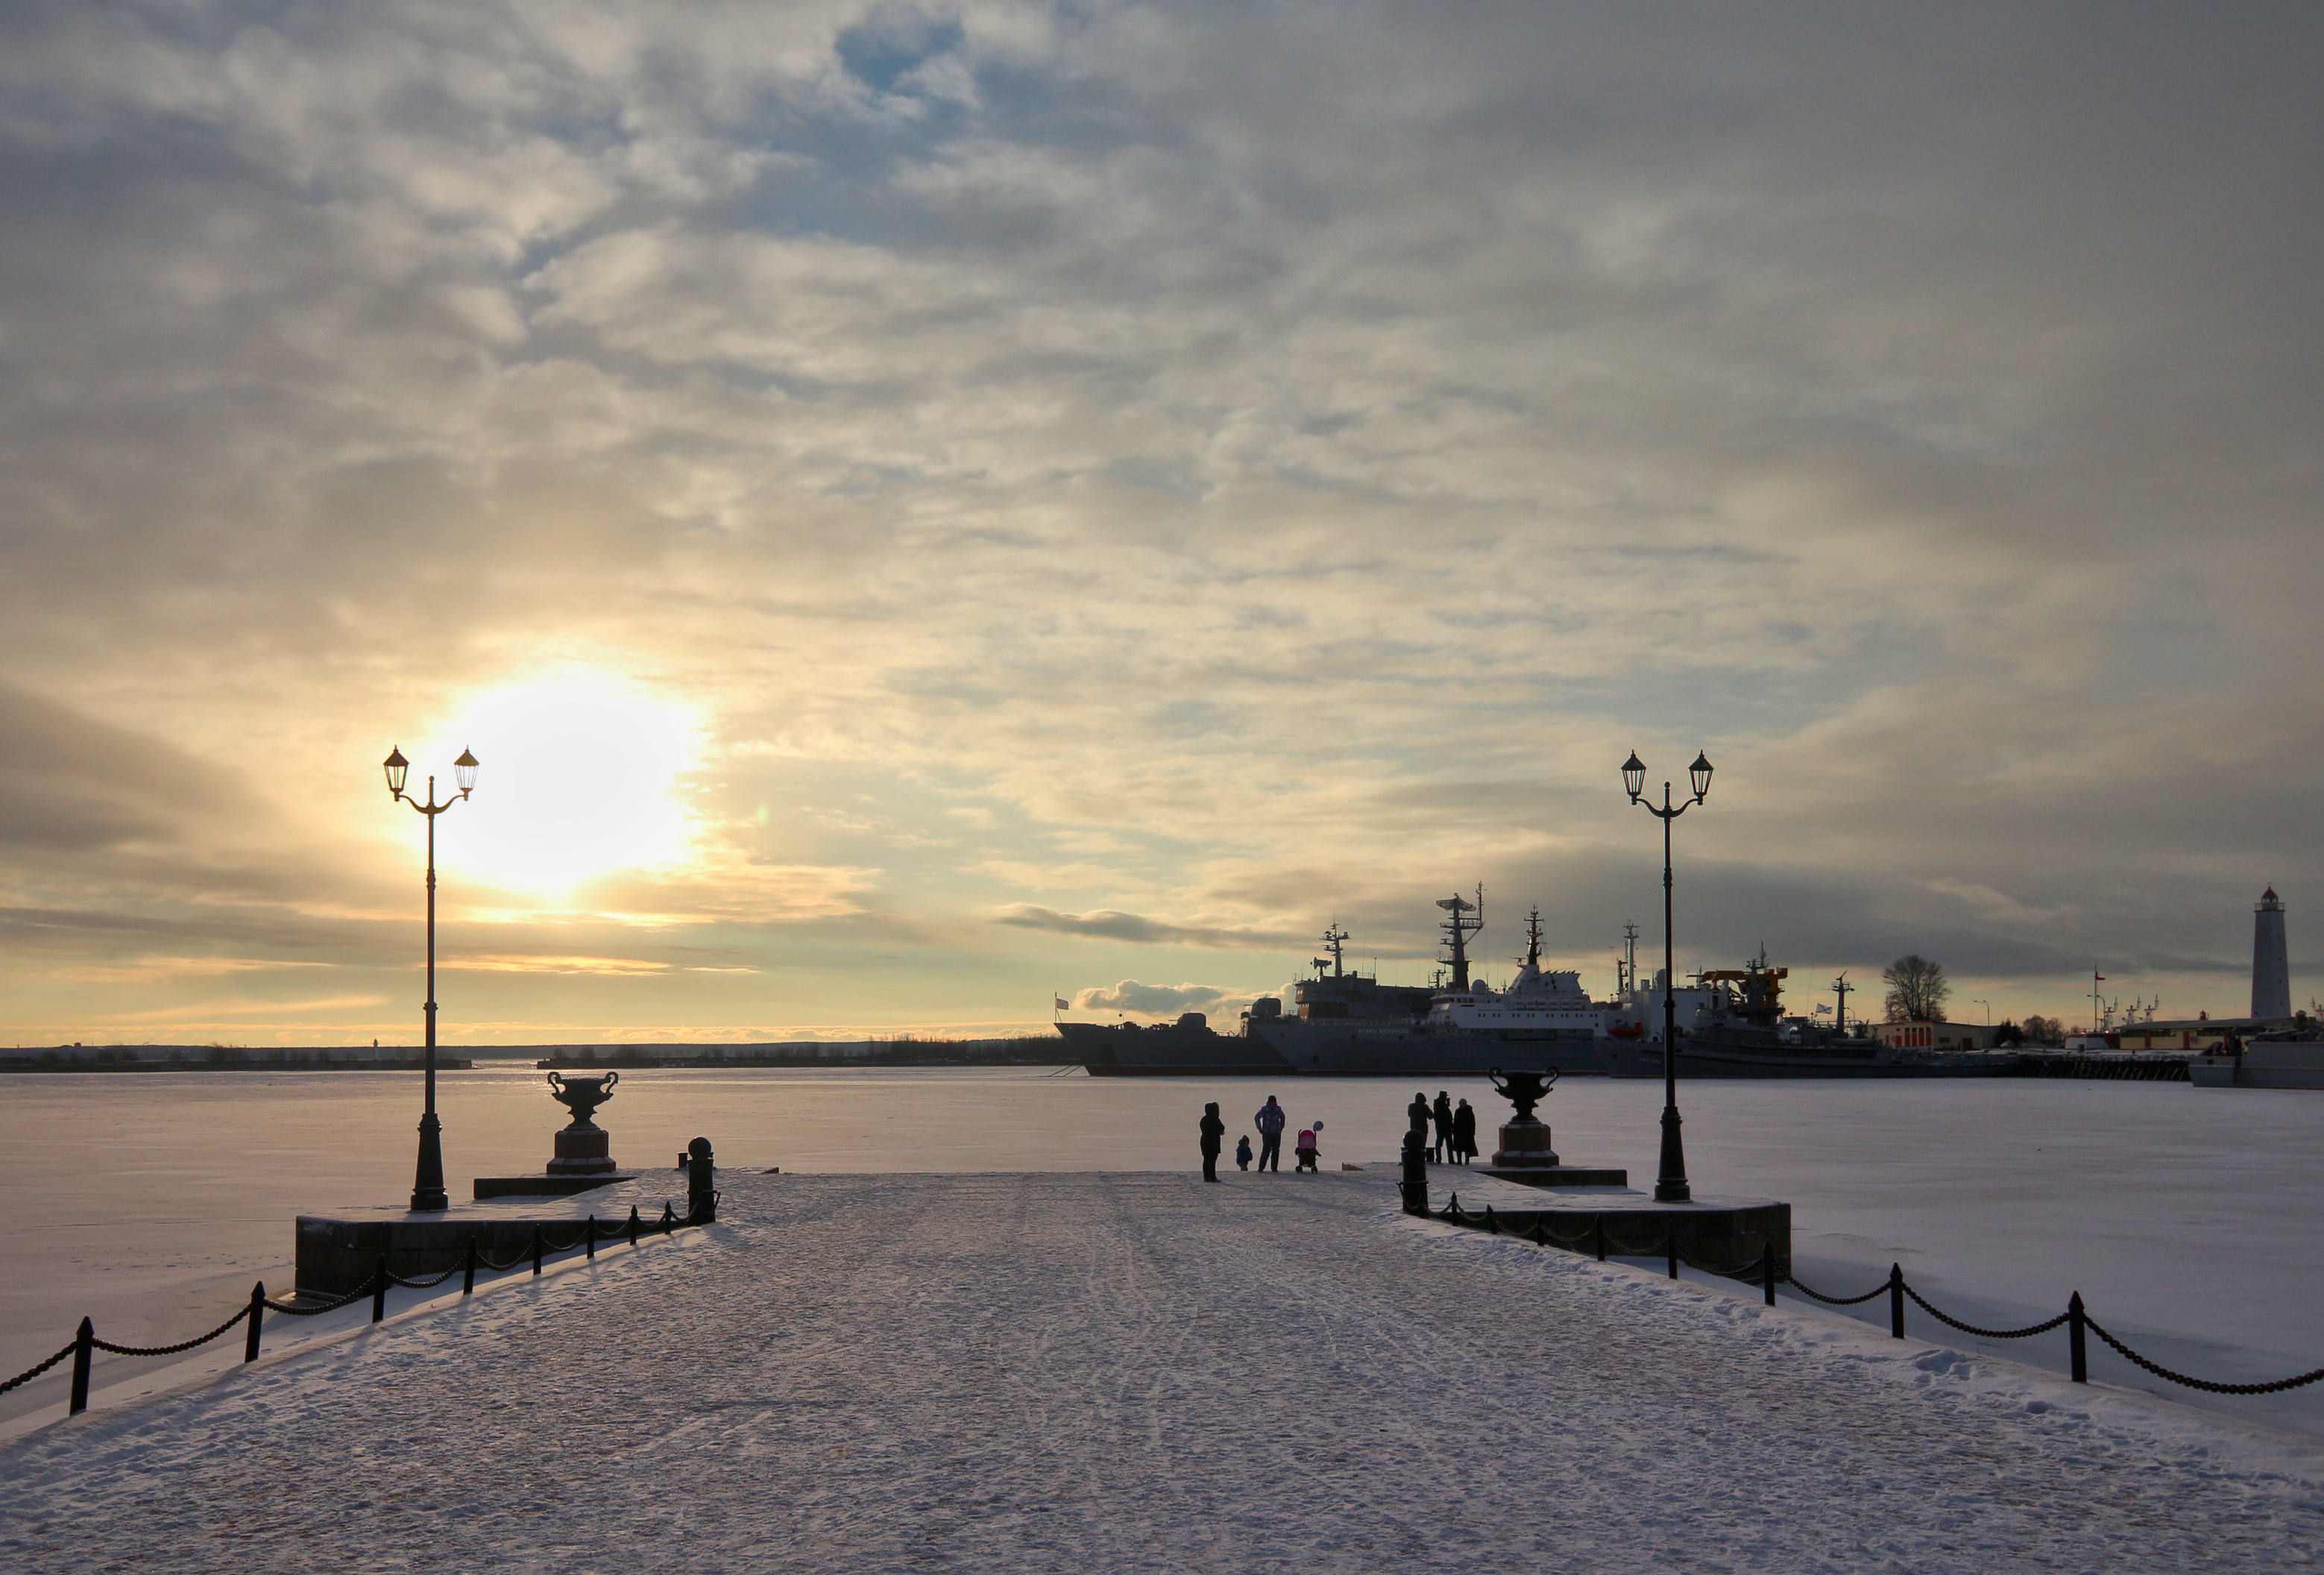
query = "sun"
x=579 y=776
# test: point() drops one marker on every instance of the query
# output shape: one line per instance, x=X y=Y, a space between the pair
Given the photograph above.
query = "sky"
x=920 y=510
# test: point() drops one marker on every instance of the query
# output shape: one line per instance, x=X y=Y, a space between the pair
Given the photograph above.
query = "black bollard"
x=1896 y=1300
x=591 y=1237
x=1767 y=1268
x=536 y=1252
x=379 y=1289
x=468 y=1273
x=257 y=1312
x=84 y=1346
x=668 y=1220
x=1601 y=1238
x=1492 y=1226
x=1415 y=1175
x=701 y=1192
x=2077 y=1350
x=633 y=1225
x=1670 y=1245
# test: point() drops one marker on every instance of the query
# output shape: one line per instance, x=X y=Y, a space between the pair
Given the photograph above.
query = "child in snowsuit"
x=1243 y=1152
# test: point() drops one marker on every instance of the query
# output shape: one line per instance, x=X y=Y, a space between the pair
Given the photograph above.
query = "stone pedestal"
x=582 y=1149
x=1524 y=1143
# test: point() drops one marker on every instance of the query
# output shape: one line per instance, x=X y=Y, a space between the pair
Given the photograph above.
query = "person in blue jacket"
x=1269 y=1122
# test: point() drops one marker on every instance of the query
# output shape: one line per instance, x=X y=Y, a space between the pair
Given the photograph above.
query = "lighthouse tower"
x=2271 y=976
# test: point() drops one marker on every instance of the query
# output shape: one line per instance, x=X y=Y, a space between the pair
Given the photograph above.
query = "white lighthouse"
x=2271 y=974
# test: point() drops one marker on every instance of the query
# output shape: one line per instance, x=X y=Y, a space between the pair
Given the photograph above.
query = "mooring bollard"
x=1415 y=1175
x=1896 y=1300
x=468 y=1271
x=1492 y=1226
x=667 y=1219
x=2077 y=1349
x=633 y=1225
x=701 y=1190
x=1767 y=1268
x=84 y=1346
x=592 y=1239
x=536 y=1252
x=257 y=1312
x=1670 y=1245
x=379 y=1289
x=1601 y=1238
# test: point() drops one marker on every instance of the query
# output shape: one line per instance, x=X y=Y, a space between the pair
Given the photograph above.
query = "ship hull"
x=2296 y=1065
x=1354 y=1050
x=1125 y=1049
x=1700 y=1058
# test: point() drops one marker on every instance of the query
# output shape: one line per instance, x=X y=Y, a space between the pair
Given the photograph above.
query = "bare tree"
x=2042 y=1030
x=1917 y=990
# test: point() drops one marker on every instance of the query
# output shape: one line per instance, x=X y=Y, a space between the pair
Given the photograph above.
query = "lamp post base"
x=428 y=1195
x=1670 y=1184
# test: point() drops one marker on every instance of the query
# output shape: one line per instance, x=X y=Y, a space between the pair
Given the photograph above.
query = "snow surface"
x=1136 y=1371
x=2187 y=1217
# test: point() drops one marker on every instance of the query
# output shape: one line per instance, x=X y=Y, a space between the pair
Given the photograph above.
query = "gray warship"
x=1459 y=1027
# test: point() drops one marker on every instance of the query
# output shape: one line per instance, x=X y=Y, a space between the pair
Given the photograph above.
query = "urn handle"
x=611 y=1078
x=555 y=1084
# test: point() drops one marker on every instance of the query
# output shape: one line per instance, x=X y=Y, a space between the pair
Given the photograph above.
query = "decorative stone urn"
x=583 y=1147
x=1524 y=1142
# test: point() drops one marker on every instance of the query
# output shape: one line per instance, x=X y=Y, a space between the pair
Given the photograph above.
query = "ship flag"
x=1062 y=1004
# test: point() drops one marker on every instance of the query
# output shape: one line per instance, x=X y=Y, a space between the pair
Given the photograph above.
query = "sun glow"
x=579 y=777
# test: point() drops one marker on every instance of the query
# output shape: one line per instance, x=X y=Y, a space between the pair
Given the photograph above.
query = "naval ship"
x=1460 y=1027
x=1738 y=1030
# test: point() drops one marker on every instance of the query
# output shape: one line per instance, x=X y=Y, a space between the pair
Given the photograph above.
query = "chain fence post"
x=1540 y=1232
x=1492 y=1226
x=1767 y=1268
x=379 y=1290
x=84 y=1346
x=633 y=1226
x=592 y=1239
x=469 y=1269
x=1601 y=1238
x=668 y=1221
x=1896 y=1300
x=257 y=1312
x=2077 y=1347
x=1669 y=1245
x=536 y=1252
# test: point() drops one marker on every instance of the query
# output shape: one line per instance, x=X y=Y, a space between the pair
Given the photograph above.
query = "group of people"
x=1270 y=1120
x=1456 y=1128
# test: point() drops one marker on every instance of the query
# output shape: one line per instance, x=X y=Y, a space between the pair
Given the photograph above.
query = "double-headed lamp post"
x=427 y=1181
x=1670 y=1185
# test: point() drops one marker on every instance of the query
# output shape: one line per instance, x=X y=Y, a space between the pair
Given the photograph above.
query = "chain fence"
x=85 y=1343
x=1764 y=1272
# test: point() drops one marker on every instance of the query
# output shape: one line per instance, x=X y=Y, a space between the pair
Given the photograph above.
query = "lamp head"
x=1701 y=772
x=464 y=768
x=396 y=765
x=1634 y=775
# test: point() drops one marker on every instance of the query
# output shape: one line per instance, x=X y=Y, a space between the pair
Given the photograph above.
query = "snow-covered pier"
x=1137 y=1371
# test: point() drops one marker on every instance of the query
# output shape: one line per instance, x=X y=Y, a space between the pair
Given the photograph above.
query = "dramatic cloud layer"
x=992 y=495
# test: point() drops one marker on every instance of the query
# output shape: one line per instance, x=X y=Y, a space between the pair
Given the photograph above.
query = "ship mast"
x=1458 y=928
x=1335 y=937
x=1532 y=938
x=1841 y=987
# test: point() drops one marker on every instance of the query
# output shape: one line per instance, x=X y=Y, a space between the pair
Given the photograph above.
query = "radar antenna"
x=1459 y=928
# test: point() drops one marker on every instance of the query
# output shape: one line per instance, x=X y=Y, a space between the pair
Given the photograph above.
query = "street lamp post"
x=1670 y=1183
x=427 y=1181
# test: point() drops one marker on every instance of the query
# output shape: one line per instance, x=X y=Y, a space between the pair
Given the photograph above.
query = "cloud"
x=1110 y=924
x=1148 y=1000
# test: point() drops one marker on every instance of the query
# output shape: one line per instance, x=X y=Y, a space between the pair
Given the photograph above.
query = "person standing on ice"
x=1213 y=1130
x=1269 y=1122
x=1243 y=1151
x=1419 y=1114
x=1464 y=1133
x=1442 y=1114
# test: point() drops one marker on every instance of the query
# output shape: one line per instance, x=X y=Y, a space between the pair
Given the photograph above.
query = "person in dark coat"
x=1213 y=1130
x=1442 y=1114
x=1464 y=1133
x=1418 y=1113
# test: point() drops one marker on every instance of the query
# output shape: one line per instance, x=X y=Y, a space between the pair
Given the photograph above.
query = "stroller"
x=1306 y=1147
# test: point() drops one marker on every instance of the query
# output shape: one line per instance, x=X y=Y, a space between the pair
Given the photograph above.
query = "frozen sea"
x=2188 y=1218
